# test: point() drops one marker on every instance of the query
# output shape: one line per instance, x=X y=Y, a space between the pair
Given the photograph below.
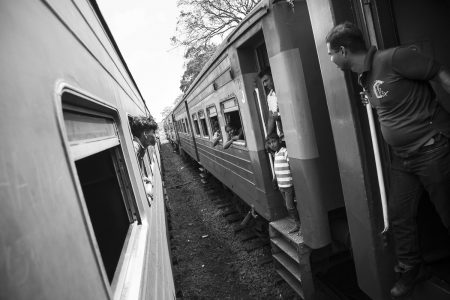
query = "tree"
x=177 y=100
x=166 y=111
x=196 y=58
x=200 y=21
x=200 y=24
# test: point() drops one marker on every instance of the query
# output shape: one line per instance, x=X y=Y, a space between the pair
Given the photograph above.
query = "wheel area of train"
x=213 y=255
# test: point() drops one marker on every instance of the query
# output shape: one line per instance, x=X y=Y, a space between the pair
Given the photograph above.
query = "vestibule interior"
x=424 y=25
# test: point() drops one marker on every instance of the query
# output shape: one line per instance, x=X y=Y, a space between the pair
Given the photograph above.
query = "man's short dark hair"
x=265 y=71
x=272 y=136
x=347 y=35
x=141 y=124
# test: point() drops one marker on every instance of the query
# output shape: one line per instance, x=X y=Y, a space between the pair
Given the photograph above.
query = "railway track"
x=213 y=253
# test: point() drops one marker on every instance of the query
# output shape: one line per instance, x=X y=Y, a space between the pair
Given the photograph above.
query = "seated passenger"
x=143 y=130
x=283 y=178
x=233 y=135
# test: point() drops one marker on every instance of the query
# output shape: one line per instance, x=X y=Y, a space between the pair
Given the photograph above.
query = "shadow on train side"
x=76 y=221
x=326 y=132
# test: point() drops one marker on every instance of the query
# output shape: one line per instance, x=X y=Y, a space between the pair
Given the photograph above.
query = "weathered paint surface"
x=47 y=247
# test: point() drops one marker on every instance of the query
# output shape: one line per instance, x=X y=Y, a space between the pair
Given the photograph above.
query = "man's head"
x=144 y=129
x=266 y=79
x=343 y=41
x=273 y=141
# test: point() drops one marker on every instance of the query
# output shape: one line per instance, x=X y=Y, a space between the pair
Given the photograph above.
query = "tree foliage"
x=166 y=111
x=200 y=21
x=200 y=24
x=196 y=58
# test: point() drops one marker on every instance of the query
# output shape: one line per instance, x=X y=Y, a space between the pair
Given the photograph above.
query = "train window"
x=213 y=120
x=184 y=125
x=201 y=115
x=105 y=205
x=230 y=109
x=196 y=127
x=103 y=178
x=188 y=130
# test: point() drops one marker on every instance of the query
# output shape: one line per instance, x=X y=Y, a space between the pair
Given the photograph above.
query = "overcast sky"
x=142 y=30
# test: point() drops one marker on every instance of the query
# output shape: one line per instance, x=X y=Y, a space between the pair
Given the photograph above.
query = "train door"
x=421 y=26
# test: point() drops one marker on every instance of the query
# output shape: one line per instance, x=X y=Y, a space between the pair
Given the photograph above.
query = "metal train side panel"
x=48 y=249
x=185 y=138
x=157 y=275
x=242 y=167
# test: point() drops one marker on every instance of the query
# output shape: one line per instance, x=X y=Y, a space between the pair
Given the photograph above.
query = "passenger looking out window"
x=233 y=128
x=273 y=120
x=233 y=134
x=143 y=130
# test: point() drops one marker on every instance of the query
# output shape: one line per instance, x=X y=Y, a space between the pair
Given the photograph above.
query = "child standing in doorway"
x=283 y=178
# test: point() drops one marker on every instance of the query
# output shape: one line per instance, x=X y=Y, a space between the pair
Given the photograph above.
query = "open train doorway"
x=284 y=48
x=421 y=26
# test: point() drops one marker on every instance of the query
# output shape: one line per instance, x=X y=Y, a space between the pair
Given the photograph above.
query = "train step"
x=291 y=257
x=434 y=288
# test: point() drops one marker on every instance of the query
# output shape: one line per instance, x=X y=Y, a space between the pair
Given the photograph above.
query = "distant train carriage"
x=325 y=130
x=169 y=129
x=76 y=221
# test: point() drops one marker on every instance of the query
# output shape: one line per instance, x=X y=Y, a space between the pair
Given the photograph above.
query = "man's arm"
x=271 y=122
x=443 y=77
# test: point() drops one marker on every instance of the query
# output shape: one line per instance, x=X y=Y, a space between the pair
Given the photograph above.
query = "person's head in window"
x=266 y=79
x=234 y=134
x=230 y=130
x=143 y=129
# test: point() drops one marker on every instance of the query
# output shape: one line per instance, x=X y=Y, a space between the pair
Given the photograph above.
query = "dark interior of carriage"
x=196 y=125
x=105 y=205
x=203 y=125
x=423 y=26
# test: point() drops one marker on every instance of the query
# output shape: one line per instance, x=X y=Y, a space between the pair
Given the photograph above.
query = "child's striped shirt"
x=282 y=169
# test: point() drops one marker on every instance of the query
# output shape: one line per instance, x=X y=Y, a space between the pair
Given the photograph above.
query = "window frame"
x=188 y=129
x=196 y=125
x=199 y=113
x=85 y=101
x=236 y=107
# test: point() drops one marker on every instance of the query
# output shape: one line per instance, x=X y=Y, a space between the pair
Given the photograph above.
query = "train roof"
x=116 y=47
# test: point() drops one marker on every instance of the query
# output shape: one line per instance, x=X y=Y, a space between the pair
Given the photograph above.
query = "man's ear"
x=343 y=51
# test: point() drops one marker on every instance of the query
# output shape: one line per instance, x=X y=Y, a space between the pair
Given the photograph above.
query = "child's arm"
x=275 y=183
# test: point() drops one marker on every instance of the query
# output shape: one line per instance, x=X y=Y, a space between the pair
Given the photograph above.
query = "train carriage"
x=76 y=220
x=182 y=125
x=169 y=129
x=326 y=133
x=230 y=87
